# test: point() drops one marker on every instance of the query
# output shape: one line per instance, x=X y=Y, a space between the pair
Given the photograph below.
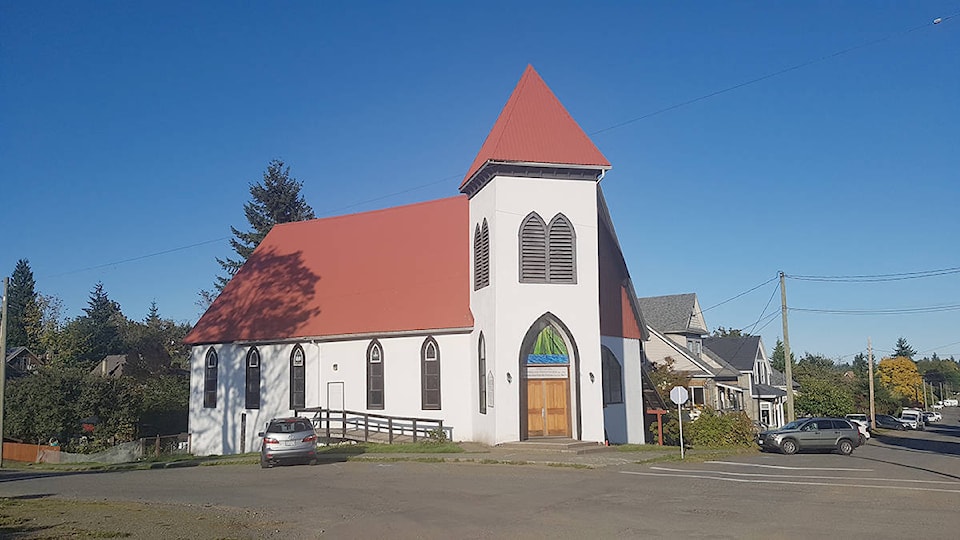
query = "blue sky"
x=129 y=129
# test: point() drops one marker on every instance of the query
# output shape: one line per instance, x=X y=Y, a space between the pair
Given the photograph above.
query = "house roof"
x=778 y=379
x=111 y=366
x=739 y=352
x=767 y=391
x=670 y=313
x=399 y=269
x=619 y=313
x=534 y=127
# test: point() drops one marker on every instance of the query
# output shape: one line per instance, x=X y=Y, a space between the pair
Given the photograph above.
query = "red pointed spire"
x=534 y=127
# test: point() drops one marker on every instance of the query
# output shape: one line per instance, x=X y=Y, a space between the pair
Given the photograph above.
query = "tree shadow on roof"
x=269 y=298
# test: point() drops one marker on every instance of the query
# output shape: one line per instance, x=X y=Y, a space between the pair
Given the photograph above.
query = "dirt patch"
x=49 y=518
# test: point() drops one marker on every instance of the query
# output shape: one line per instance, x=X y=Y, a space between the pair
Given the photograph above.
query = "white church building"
x=506 y=311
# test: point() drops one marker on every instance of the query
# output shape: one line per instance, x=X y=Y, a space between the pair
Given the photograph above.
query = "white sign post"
x=679 y=396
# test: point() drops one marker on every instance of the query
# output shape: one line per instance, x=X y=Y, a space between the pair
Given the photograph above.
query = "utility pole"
x=788 y=361
x=3 y=360
x=873 y=409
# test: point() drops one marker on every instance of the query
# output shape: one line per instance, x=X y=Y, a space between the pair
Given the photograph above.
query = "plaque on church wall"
x=546 y=372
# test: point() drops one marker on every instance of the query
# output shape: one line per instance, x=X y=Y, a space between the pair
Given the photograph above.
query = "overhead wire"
x=874 y=278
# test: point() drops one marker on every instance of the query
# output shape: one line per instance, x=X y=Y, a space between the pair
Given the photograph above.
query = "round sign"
x=679 y=395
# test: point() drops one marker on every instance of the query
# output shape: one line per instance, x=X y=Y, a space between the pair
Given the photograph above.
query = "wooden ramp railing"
x=371 y=427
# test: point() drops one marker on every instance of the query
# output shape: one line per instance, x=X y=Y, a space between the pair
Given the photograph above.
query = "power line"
x=795 y=67
x=138 y=258
x=878 y=277
x=890 y=311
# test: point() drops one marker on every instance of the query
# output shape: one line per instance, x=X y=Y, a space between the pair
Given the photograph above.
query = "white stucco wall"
x=218 y=430
x=624 y=422
x=507 y=308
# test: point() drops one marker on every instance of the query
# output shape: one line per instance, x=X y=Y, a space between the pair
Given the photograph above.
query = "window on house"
x=482 y=373
x=697 y=396
x=375 y=375
x=210 y=380
x=612 y=378
x=253 y=379
x=533 y=250
x=694 y=346
x=481 y=256
x=298 y=378
x=562 y=250
x=430 y=375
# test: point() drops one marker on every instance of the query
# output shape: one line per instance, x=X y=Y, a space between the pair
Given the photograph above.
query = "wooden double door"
x=548 y=408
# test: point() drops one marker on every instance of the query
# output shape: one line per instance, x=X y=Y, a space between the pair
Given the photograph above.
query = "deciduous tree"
x=901 y=377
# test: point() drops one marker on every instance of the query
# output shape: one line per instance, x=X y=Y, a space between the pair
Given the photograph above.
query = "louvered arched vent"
x=481 y=256
x=562 y=244
x=533 y=250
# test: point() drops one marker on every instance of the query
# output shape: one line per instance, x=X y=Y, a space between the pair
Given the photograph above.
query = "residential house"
x=677 y=331
x=21 y=361
x=746 y=354
x=507 y=311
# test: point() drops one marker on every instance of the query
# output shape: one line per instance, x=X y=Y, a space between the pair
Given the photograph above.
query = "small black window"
x=210 y=380
x=430 y=375
x=298 y=379
x=253 y=379
x=612 y=378
x=375 y=397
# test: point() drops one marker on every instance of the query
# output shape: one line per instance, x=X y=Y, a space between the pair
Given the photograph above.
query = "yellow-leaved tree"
x=900 y=376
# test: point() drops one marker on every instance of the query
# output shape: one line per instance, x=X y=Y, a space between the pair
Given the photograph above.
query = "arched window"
x=430 y=375
x=375 y=375
x=533 y=250
x=612 y=378
x=253 y=379
x=482 y=373
x=562 y=250
x=210 y=380
x=298 y=379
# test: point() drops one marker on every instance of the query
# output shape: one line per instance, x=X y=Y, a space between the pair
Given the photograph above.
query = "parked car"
x=912 y=418
x=951 y=403
x=931 y=417
x=938 y=405
x=287 y=440
x=890 y=422
x=812 y=433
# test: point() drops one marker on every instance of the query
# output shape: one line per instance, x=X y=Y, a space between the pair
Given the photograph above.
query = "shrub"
x=720 y=430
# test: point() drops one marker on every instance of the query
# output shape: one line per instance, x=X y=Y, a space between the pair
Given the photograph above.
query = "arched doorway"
x=548 y=383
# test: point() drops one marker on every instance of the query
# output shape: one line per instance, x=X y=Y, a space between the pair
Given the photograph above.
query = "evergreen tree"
x=275 y=200
x=860 y=367
x=777 y=358
x=153 y=316
x=902 y=349
x=101 y=326
x=23 y=328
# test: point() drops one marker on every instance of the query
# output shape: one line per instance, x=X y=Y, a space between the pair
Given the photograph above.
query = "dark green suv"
x=812 y=433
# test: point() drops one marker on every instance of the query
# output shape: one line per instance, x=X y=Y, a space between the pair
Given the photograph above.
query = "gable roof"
x=739 y=352
x=534 y=127
x=671 y=313
x=399 y=269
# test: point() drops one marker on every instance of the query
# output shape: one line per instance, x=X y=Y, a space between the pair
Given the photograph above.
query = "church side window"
x=298 y=379
x=430 y=375
x=253 y=379
x=375 y=376
x=210 y=380
x=612 y=378
x=482 y=373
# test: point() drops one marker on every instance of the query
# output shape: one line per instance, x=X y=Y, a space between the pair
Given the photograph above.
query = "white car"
x=933 y=416
x=938 y=405
x=862 y=425
x=912 y=418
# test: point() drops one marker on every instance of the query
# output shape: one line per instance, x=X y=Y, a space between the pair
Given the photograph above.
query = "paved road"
x=895 y=487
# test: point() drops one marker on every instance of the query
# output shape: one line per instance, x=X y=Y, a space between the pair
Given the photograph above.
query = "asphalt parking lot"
x=899 y=485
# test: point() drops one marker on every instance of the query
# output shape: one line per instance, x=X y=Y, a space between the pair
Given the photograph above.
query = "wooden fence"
x=30 y=453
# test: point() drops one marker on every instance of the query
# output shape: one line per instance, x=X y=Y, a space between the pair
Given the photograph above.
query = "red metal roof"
x=400 y=269
x=534 y=127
